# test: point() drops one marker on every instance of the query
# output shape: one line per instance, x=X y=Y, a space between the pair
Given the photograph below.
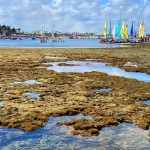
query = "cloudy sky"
x=71 y=15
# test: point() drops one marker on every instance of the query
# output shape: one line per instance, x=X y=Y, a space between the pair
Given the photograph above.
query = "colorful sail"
x=126 y=32
x=122 y=30
x=132 y=31
x=114 y=31
x=136 y=29
x=105 y=29
x=110 y=30
x=142 y=32
x=118 y=32
x=75 y=35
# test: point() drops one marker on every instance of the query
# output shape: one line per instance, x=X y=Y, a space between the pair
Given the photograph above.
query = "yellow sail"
x=105 y=29
x=122 y=30
x=126 y=32
x=142 y=32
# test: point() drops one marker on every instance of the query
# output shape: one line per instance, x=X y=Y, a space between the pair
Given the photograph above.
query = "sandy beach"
x=73 y=93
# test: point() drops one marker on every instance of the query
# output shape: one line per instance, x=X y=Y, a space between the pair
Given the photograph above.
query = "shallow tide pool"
x=146 y=102
x=32 y=95
x=29 y=82
x=88 y=66
x=50 y=137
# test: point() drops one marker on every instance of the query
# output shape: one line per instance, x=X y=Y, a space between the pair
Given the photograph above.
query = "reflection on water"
x=2 y=102
x=103 y=89
x=124 y=136
x=146 y=102
x=88 y=66
x=32 y=95
x=53 y=57
x=30 y=82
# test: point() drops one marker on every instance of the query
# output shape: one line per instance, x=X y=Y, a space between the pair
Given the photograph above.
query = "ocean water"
x=68 y=43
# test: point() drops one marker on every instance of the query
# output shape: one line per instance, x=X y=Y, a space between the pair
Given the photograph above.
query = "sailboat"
x=126 y=34
x=53 y=38
x=75 y=35
x=104 y=40
x=132 y=31
x=141 y=34
x=121 y=34
x=142 y=31
x=122 y=30
x=105 y=29
x=118 y=31
x=110 y=30
x=114 y=32
x=42 y=39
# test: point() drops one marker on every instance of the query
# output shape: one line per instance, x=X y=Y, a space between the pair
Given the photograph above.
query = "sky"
x=71 y=15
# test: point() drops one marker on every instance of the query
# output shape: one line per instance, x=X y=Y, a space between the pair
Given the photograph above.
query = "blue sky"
x=71 y=15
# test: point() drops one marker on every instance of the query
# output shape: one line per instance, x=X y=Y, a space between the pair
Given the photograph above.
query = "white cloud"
x=120 y=2
x=57 y=2
x=81 y=15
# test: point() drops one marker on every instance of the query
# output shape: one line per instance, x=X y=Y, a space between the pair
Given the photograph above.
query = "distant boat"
x=70 y=37
x=142 y=31
x=105 y=29
x=53 y=38
x=33 y=38
x=122 y=35
x=132 y=30
x=75 y=35
x=14 y=38
x=42 y=39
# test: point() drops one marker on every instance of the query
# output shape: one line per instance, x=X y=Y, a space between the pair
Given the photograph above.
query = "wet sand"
x=73 y=93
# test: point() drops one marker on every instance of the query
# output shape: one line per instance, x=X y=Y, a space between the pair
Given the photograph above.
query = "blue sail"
x=118 y=32
x=131 y=31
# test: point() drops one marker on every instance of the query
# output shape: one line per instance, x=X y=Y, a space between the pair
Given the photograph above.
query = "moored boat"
x=42 y=38
x=53 y=38
x=121 y=35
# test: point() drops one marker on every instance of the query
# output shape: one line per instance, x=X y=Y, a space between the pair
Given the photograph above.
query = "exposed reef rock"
x=73 y=93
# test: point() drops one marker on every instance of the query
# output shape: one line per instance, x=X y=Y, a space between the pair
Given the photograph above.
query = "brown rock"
x=75 y=132
x=90 y=132
x=149 y=133
x=83 y=125
x=144 y=124
x=93 y=131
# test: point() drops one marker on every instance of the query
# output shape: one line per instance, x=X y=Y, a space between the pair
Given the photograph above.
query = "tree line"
x=7 y=30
